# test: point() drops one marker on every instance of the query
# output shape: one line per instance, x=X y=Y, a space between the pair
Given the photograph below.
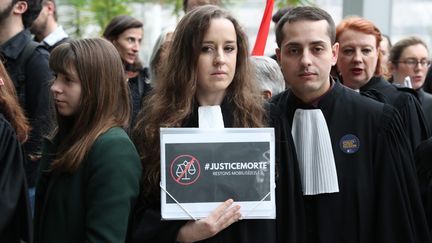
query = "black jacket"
x=37 y=83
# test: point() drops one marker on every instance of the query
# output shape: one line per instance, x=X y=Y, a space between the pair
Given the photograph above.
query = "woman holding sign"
x=207 y=83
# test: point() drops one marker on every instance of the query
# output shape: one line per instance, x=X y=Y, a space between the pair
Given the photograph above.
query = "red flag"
x=263 y=31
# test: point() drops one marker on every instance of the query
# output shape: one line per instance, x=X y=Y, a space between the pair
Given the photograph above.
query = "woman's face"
x=66 y=90
x=358 y=58
x=128 y=44
x=413 y=63
x=217 y=60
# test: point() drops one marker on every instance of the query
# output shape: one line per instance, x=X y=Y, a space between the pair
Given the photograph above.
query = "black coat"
x=404 y=100
x=36 y=91
x=15 y=214
x=426 y=104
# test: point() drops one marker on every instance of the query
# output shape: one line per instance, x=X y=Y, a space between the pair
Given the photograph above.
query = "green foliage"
x=81 y=13
x=285 y=3
x=105 y=10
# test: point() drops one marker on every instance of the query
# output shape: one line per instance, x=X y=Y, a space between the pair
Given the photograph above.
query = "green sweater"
x=92 y=204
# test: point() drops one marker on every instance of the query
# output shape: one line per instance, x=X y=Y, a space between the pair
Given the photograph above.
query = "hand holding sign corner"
x=222 y=217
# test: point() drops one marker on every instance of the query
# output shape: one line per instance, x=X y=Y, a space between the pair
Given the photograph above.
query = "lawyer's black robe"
x=378 y=198
x=426 y=104
x=15 y=215
x=147 y=225
x=423 y=158
x=413 y=119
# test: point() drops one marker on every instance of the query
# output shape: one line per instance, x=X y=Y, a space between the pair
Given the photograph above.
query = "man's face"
x=306 y=56
x=6 y=7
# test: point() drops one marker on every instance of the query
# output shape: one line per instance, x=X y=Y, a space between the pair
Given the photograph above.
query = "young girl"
x=15 y=220
x=207 y=65
x=89 y=174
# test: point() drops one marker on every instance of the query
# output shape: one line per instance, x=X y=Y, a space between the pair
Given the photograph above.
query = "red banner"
x=263 y=31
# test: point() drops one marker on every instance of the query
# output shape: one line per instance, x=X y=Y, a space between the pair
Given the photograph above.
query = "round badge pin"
x=349 y=144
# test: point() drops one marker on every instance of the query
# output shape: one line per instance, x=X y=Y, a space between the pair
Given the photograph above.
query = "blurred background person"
x=268 y=76
x=126 y=33
x=159 y=54
x=385 y=46
x=16 y=218
x=45 y=27
x=409 y=57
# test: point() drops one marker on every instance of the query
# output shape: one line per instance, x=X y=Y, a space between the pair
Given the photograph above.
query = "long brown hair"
x=171 y=103
x=104 y=97
x=10 y=107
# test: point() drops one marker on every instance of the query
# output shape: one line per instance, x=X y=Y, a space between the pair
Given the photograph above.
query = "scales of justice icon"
x=189 y=171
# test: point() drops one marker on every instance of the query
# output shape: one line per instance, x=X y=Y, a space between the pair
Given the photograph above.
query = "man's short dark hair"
x=278 y=15
x=305 y=13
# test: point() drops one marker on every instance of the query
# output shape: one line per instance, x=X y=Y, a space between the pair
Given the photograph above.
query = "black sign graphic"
x=214 y=172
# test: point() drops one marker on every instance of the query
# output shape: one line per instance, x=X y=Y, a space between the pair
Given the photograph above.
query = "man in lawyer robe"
x=357 y=176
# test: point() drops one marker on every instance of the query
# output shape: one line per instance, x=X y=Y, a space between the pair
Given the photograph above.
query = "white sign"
x=201 y=168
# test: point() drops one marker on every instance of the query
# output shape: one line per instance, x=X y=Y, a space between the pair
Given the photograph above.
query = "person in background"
x=208 y=70
x=268 y=76
x=275 y=19
x=16 y=218
x=88 y=178
x=189 y=5
x=27 y=65
x=45 y=27
x=126 y=33
x=384 y=47
x=409 y=57
x=355 y=167
x=159 y=55
x=359 y=68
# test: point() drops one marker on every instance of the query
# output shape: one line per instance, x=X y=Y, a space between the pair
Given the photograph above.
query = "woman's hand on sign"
x=222 y=217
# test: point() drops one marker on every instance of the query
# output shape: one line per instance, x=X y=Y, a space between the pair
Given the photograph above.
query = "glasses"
x=413 y=63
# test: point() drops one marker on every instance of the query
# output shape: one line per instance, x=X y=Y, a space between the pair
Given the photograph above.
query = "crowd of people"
x=80 y=119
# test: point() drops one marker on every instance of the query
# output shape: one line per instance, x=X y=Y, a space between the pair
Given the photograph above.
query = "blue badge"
x=349 y=144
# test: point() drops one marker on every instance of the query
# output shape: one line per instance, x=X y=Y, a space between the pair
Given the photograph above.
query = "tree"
x=83 y=13
x=105 y=10
x=285 y=3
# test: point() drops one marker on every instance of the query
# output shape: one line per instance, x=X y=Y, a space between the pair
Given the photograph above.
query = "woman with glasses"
x=359 y=68
x=409 y=58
